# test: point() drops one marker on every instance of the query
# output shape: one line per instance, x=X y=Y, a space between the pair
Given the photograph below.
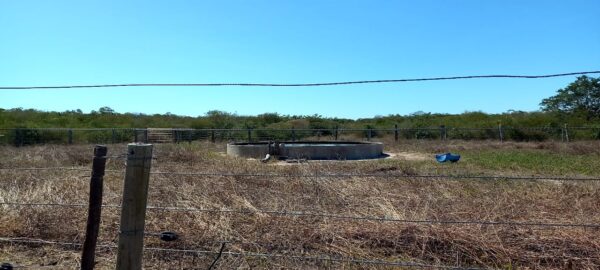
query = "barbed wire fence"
x=137 y=172
x=284 y=213
x=33 y=136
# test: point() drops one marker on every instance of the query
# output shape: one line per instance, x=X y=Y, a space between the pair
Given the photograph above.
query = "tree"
x=106 y=110
x=581 y=96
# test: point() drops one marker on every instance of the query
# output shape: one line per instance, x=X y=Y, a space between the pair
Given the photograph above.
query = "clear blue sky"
x=98 y=42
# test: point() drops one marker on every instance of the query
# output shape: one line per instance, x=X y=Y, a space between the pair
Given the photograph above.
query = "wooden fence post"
x=336 y=132
x=70 y=136
x=95 y=208
x=146 y=135
x=19 y=137
x=369 y=134
x=566 y=133
x=212 y=136
x=293 y=134
x=114 y=136
x=500 y=132
x=133 y=209
x=249 y=135
x=396 y=132
x=135 y=133
x=443 y=132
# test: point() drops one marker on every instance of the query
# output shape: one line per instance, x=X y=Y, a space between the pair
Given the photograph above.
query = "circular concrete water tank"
x=321 y=150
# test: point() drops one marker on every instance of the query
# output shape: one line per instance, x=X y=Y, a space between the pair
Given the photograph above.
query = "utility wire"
x=326 y=215
x=298 y=84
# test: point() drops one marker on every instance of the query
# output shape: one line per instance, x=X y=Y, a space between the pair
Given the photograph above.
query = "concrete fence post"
x=133 y=209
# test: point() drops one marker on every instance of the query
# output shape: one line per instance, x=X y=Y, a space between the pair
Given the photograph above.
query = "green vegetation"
x=29 y=118
x=535 y=162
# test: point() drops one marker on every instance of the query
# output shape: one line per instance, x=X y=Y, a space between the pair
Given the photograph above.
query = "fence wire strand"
x=294 y=213
x=326 y=175
x=250 y=254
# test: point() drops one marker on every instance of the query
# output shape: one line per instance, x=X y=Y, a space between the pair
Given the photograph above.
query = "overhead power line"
x=299 y=84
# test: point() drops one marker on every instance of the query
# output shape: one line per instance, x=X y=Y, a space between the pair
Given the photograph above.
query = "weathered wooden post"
x=94 y=209
x=500 y=132
x=114 y=136
x=336 y=132
x=566 y=133
x=135 y=133
x=133 y=209
x=19 y=137
x=396 y=132
x=293 y=134
x=249 y=135
x=146 y=135
x=212 y=136
x=70 y=136
x=369 y=134
x=443 y=132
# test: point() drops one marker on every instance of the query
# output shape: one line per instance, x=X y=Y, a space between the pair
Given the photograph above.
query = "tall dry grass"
x=509 y=247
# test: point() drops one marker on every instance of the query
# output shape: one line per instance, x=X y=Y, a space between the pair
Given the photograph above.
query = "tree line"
x=578 y=104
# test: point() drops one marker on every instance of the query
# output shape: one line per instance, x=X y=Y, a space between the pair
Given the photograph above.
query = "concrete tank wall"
x=322 y=150
x=258 y=150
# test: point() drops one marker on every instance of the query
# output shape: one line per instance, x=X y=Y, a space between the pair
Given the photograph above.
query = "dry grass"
x=508 y=247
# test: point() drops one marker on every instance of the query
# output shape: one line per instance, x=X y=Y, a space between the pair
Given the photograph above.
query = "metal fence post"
x=95 y=208
x=133 y=209
x=70 y=136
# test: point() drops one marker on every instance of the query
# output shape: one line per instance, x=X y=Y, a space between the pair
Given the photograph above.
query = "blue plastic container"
x=441 y=158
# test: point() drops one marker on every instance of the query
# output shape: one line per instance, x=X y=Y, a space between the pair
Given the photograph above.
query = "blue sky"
x=98 y=42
